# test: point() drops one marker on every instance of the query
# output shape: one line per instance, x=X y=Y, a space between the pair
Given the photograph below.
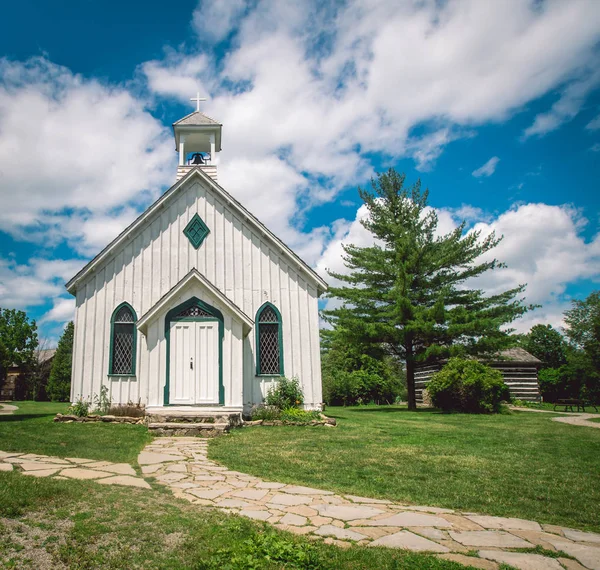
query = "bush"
x=286 y=394
x=102 y=402
x=130 y=410
x=343 y=388
x=81 y=408
x=467 y=386
x=263 y=412
x=355 y=372
x=296 y=415
x=272 y=413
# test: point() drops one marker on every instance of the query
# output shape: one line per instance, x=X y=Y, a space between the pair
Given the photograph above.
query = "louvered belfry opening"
x=123 y=342
x=269 y=346
x=195 y=312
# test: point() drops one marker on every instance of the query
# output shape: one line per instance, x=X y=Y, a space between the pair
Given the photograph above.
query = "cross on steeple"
x=197 y=99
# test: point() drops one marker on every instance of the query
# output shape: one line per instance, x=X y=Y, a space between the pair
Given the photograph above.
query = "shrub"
x=102 y=402
x=81 y=408
x=467 y=386
x=355 y=372
x=263 y=412
x=296 y=415
x=361 y=387
x=286 y=394
x=130 y=410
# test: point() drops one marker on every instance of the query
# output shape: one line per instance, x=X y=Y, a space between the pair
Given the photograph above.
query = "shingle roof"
x=45 y=355
x=517 y=354
x=196 y=118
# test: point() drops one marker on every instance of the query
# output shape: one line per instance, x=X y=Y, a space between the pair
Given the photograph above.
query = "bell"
x=197 y=158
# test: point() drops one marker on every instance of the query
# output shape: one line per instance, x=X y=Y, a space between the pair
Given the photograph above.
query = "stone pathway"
x=182 y=465
x=579 y=420
x=105 y=472
x=7 y=409
x=574 y=418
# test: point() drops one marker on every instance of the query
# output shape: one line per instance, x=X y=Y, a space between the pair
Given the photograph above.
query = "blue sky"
x=479 y=100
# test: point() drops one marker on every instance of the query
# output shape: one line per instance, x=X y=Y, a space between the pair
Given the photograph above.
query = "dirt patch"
x=32 y=543
x=174 y=540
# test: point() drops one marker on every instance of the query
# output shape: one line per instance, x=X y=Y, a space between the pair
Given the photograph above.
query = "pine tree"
x=59 y=383
x=408 y=291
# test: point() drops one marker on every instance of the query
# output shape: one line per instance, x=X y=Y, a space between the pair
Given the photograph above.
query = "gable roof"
x=163 y=200
x=195 y=119
x=194 y=275
x=518 y=354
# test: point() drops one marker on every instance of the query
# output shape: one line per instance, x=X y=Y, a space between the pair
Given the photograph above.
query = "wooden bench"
x=569 y=403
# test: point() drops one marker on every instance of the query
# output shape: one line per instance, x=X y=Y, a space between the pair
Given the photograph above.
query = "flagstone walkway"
x=7 y=409
x=182 y=465
x=573 y=418
x=105 y=472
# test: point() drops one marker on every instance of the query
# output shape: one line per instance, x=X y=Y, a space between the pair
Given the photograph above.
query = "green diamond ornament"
x=196 y=231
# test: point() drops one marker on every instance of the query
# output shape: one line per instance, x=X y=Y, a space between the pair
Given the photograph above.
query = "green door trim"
x=172 y=317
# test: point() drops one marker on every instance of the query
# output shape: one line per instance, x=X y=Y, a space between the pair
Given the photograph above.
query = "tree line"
x=21 y=349
x=570 y=362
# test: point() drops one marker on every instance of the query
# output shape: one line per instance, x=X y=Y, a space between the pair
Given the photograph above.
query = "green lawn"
x=30 y=429
x=550 y=407
x=519 y=464
x=48 y=523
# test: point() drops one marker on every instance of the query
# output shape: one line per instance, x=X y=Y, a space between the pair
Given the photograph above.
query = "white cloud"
x=542 y=247
x=319 y=87
x=214 y=21
x=487 y=169
x=595 y=147
x=177 y=76
x=594 y=124
x=23 y=286
x=73 y=154
x=62 y=311
x=566 y=107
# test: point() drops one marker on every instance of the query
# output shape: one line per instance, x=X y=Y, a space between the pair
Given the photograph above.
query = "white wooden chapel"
x=196 y=303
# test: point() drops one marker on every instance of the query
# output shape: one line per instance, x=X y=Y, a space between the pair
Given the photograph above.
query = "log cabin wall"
x=520 y=377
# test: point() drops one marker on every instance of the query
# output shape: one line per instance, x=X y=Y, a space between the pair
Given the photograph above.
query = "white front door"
x=194 y=362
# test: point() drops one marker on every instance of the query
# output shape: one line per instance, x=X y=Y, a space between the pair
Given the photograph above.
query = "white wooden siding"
x=246 y=266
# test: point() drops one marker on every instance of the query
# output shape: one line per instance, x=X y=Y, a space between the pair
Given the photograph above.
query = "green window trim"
x=172 y=316
x=279 y=323
x=111 y=361
x=196 y=231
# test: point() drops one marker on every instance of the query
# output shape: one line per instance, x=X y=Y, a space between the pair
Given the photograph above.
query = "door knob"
x=191 y=363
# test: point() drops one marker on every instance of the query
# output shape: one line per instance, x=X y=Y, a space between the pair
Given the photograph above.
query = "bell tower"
x=197 y=140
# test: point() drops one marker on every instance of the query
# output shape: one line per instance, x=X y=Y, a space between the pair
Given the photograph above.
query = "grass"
x=550 y=407
x=48 y=523
x=594 y=419
x=30 y=429
x=518 y=464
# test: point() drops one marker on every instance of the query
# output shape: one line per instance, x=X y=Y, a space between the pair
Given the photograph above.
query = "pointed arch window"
x=269 y=341
x=123 y=341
